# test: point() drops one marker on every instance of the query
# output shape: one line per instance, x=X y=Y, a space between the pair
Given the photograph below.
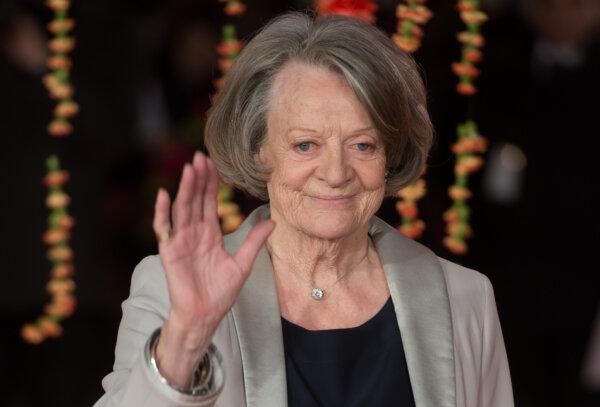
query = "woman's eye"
x=363 y=146
x=304 y=146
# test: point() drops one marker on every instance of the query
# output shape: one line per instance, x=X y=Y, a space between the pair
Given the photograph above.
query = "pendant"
x=317 y=294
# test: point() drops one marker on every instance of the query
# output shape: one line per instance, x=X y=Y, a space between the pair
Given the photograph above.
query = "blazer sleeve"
x=132 y=383
x=496 y=387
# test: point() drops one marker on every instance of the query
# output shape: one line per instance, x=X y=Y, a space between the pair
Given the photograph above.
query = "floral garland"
x=408 y=37
x=471 y=41
x=361 y=9
x=60 y=223
x=410 y=16
x=469 y=141
x=60 y=254
x=406 y=206
x=57 y=82
x=228 y=50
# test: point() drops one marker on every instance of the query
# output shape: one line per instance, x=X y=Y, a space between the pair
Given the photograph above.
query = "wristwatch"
x=208 y=378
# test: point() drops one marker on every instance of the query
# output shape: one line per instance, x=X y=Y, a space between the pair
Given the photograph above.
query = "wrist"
x=191 y=339
x=207 y=379
x=178 y=352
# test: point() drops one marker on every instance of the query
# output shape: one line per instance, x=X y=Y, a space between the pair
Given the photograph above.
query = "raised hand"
x=203 y=279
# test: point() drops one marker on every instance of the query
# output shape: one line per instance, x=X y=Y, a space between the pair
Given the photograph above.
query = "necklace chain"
x=318 y=293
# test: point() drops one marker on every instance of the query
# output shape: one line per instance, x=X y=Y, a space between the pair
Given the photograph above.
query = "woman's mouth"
x=332 y=201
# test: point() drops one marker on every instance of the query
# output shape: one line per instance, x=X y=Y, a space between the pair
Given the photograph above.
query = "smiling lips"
x=333 y=200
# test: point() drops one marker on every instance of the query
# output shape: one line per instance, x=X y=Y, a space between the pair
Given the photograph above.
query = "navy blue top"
x=361 y=366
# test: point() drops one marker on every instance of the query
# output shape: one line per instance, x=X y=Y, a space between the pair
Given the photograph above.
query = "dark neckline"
x=379 y=315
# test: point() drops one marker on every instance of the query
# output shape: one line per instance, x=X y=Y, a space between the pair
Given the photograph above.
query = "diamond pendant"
x=317 y=294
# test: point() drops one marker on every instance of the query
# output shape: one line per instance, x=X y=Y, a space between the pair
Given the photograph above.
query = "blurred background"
x=143 y=73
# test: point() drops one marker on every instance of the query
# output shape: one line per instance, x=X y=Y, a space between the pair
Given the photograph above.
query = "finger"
x=161 y=222
x=210 y=195
x=246 y=254
x=199 y=165
x=183 y=202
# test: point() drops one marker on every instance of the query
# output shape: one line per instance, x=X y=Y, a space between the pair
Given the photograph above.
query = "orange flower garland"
x=408 y=37
x=406 y=206
x=57 y=81
x=471 y=41
x=228 y=50
x=60 y=254
x=409 y=33
x=361 y=9
x=469 y=143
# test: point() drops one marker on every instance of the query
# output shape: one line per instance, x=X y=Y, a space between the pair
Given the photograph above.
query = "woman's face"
x=327 y=160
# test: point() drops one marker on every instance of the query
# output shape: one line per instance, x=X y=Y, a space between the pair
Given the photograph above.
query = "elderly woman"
x=313 y=301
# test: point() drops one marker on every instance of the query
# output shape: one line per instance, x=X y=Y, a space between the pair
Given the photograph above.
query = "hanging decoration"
x=471 y=41
x=411 y=16
x=60 y=254
x=361 y=9
x=406 y=206
x=57 y=236
x=470 y=142
x=228 y=49
x=57 y=81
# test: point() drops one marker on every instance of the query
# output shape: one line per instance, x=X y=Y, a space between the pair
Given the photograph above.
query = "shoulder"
x=464 y=280
x=470 y=292
x=148 y=274
x=149 y=286
x=395 y=247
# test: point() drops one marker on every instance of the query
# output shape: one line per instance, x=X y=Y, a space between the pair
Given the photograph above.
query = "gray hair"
x=384 y=78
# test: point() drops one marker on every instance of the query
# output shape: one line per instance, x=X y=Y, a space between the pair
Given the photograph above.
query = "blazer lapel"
x=418 y=289
x=258 y=323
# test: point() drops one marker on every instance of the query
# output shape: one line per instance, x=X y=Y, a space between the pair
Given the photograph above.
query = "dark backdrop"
x=142 y=73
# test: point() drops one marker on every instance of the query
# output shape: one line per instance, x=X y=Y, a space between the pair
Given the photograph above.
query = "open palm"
x=203 y=279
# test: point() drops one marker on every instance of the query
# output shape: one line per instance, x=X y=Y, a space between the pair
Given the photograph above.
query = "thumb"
x=247 y=252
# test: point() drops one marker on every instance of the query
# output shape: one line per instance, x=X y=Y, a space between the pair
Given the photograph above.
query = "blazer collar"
x=418 y=289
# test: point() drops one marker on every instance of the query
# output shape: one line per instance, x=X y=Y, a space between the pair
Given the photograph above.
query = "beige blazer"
x=446 y=314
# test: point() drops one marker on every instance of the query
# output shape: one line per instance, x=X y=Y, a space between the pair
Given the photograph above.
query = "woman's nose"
x=334 y=168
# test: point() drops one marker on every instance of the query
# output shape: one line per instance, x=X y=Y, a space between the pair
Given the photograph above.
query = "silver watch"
x=208 y=378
